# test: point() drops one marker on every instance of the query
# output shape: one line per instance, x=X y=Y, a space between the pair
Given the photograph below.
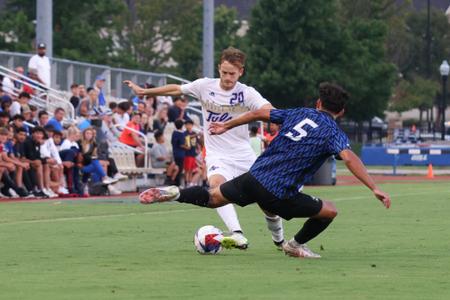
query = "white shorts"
x=228 y=168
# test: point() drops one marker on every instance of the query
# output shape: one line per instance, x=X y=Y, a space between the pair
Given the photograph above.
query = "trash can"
x=326 y=175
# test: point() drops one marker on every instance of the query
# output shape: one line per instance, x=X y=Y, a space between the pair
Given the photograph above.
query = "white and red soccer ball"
x=207 y=240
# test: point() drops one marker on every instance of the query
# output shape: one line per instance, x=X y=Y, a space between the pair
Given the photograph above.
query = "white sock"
x=229 y=217
x=275 y=225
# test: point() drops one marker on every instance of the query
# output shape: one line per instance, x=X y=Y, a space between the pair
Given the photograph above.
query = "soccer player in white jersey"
x=228 y=155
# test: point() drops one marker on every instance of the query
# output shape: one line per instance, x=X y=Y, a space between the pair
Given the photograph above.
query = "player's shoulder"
x=206 y=81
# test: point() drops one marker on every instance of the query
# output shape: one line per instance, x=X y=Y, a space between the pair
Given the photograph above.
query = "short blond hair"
x=234 y=56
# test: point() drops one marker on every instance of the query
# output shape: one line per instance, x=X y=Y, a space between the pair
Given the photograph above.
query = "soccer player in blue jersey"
x=307 y=137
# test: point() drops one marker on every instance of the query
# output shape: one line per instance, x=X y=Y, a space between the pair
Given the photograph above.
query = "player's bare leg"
x=313 y=227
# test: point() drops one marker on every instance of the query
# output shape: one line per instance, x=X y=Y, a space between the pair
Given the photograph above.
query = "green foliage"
x=415 y=93
x=294 y=45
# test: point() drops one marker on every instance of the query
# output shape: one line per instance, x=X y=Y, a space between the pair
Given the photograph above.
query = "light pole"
x=444 y=69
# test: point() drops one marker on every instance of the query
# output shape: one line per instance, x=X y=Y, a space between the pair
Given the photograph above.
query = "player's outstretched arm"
x=262 y=114
x=165 y=90
x=355 y=165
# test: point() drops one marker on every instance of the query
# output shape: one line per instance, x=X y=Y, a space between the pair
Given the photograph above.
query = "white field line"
x=81 y=218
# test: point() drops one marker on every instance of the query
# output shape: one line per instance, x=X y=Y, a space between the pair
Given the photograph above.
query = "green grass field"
x=120 y=249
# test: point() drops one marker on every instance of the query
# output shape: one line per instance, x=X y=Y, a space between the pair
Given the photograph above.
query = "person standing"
x=41 y=63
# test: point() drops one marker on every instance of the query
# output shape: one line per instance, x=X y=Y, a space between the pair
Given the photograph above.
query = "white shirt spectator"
x=8 y=85
x=42 y=65
x=49 y=150
x=15 y=109
x=67 y=145
x=121 y=119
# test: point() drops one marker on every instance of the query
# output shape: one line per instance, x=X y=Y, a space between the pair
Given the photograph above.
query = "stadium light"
x=444 y=69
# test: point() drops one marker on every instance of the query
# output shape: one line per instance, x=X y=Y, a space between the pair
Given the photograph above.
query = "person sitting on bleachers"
x=68 y=151
x=121 y=116
x=43 y=118
x=18 y=122
x=32 y=153
x=16 y=106
x=56 y=121
x=132 y=138
x=161 y=158
x=89 y=104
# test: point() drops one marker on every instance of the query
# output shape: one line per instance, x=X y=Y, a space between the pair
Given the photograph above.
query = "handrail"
x=145 y=141
x=37 y=86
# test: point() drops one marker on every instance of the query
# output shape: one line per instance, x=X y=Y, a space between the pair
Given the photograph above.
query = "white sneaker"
x=13 y=193
x=161 y=194
x=63 y=190
x=120 y=176
x=109 y=180
x=292 y=248
x=49 y=193
x=235 y=240
x=113 y=191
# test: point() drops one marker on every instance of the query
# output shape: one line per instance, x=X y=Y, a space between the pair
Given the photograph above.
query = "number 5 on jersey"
x=297 y=133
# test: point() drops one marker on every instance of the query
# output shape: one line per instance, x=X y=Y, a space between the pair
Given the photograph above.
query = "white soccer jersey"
x=219 y=105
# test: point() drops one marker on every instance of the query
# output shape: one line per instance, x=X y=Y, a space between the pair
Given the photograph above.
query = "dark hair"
x=254 y=130
x=149 y=85
x=58 y=110
x=179 y=124
x=178 y=98
x=49 y=127
x=21 y=129
x=38 y=129
x=25 y=95
x=124 y=105
x=4 y=114
x=158 y=134
x=41 y=113
x=57 y=132
x=142 y=102
x=234 y=56
x=33 y=108
x=136 y=113
x=189 y=122
x=112 y=105
x=74 y=85
x=17 y=117
x=333 y=97
x=89 y=89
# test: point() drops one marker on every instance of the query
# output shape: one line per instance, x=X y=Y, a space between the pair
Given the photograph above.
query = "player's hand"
x=217 y=128
x=134 y=87
x=383 y=197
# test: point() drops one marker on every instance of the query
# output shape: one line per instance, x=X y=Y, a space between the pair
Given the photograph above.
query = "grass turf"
x=122 y=250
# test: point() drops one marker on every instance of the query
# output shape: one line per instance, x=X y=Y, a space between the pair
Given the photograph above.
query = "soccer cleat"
x=162 y=194
x=279 y=245
x=235 y=240
x=109 y=180
x=298 y=250
x=120 y=176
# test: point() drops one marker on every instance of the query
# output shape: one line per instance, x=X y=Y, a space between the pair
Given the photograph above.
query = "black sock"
x=194 y=195
x=311 y=229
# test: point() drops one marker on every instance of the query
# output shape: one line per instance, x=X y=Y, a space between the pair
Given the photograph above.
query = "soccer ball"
x=207 y=240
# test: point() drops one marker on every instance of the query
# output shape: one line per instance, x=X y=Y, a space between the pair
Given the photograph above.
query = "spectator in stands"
x=122 y=117
x=132 y=138
x=18 y=85
x=22 y=179
x=34 y=115
x=8 y=85
x=75 y=98
x=255 y=141
x=142 y=107
x=57 y=119
x=178 y=147
x=43 y=118
x=146 y=124
x=18 y=122
x=13 y=167
x=69 y=151
x=35 y=82
x=27 y=114
x=6 y=103
x=52 y=165
x=88 y=159
x=150 y=101
x=273 y=132
x=41 y=64
x=32 y=154
x=113 y=107
x=82 y=94
x=89 y=104
x=111 y=132
x=178 y=110
x=15 y=108
x=190 y=145
x=4 y=119
x=161 y=158
x=98 y=86
x=161 y=120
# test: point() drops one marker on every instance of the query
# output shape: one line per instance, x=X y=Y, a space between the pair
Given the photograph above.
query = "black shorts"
x=245 y=190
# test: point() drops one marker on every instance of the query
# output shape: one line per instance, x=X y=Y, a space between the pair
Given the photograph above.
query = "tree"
x=294 y=45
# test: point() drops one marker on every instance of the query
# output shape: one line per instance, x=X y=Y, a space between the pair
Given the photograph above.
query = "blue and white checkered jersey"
x=307 y=137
